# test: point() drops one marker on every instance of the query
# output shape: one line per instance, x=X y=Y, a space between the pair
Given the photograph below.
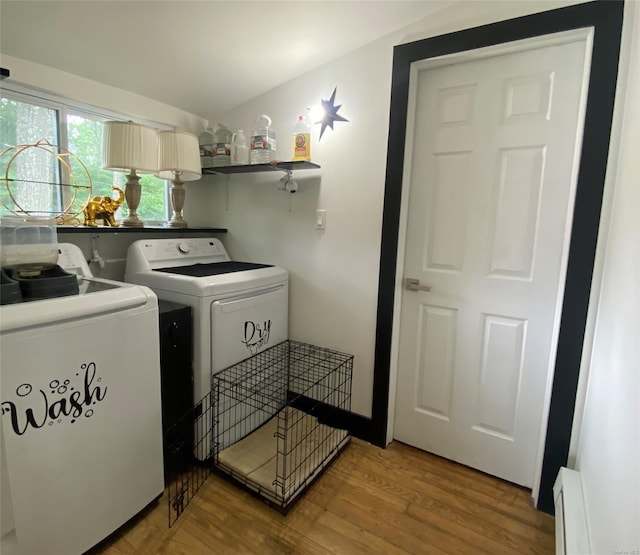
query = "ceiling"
x=205 y=57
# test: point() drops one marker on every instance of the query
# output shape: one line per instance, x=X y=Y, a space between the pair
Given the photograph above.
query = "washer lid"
x=208 y=285
x=213 y=269
x=97 y=297
x=195 y=266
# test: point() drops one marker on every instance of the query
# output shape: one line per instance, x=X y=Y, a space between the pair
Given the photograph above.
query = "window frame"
x=65 y=107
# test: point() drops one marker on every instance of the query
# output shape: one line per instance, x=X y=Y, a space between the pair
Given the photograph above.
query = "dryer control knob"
x=184 y=248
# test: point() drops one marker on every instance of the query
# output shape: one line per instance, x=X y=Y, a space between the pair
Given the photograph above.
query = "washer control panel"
x=181 y=251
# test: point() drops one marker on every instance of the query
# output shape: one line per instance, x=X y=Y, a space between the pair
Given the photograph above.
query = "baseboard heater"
x=572 y=535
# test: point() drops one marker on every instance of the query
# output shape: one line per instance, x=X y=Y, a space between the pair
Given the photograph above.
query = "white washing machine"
x=239 y=308
x=81 y=435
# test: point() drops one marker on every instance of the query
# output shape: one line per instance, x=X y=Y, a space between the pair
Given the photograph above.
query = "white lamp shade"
x=129 y=146
x=178 y=151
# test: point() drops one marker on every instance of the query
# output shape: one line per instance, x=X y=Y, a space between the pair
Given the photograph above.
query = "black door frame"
x=605 y=17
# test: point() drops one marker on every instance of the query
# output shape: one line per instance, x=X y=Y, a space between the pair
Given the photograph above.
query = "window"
x=40 y=183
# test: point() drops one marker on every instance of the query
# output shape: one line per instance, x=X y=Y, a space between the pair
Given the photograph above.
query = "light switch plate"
x=321 y=219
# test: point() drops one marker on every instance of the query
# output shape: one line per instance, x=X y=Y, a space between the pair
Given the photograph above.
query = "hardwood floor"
x=371 y=500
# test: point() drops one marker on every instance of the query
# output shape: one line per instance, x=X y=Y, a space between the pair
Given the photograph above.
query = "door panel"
x=436 y=330
x=500 y=375
x=515 y=211
x=446 y=212
x=493 y=157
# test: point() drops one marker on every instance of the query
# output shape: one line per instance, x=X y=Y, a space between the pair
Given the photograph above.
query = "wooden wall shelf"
x=253 y=168
x=139 y=230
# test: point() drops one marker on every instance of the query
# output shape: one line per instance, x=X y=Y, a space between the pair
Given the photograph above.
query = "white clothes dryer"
x=239 y=308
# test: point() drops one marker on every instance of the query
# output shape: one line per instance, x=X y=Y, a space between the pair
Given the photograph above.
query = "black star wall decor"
x=330 y=113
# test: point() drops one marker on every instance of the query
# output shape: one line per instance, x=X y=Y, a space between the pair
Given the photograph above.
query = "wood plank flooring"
x=397 y=500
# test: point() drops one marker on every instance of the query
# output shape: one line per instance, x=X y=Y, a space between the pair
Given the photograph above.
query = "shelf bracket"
x=287 y=183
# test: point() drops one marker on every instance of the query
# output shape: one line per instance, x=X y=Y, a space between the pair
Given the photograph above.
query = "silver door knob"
x=412 y=284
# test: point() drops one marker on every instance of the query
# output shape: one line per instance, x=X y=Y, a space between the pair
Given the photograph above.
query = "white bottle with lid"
x=263 y=141
x=222 y=146
x=239 y=149
x=206 y=148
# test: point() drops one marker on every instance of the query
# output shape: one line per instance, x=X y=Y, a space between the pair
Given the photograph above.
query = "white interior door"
x=493 y=159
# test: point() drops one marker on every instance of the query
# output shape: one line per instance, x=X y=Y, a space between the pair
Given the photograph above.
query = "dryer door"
x=246 y=324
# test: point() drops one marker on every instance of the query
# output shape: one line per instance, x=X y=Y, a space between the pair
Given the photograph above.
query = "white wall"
x=608 y=442
x=96 y=94
x=334 y=273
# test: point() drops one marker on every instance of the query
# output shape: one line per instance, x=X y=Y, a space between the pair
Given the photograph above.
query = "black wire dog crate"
x=279 y=418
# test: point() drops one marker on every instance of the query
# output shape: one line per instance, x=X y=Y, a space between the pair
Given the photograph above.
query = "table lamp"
x=132 y=147
x=178 y=161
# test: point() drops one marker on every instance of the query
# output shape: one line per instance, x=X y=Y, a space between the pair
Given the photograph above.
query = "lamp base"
x=132 y=193
x=132 y=221
x=177 y=222
x=177 y=201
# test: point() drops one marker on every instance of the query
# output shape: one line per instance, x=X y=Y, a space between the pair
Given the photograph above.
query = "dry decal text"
x=256 y=335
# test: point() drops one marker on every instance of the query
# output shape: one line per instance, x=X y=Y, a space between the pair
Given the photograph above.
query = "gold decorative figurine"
x=18 y=179
x=102 y=208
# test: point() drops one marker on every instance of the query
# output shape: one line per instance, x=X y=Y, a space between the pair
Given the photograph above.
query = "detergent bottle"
x=302 y=140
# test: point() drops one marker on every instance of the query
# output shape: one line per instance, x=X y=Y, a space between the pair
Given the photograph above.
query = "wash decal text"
x=60 y=401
